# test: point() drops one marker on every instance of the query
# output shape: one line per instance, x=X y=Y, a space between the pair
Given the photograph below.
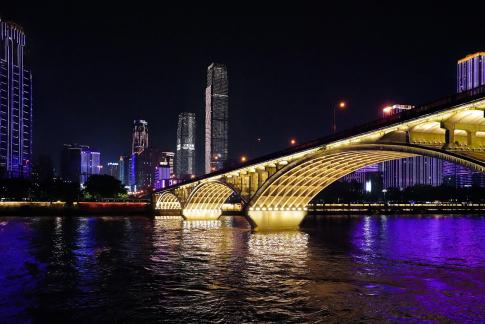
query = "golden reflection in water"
x=201 y=224
x=168 y=217
x=290 y=243
x=276 y=259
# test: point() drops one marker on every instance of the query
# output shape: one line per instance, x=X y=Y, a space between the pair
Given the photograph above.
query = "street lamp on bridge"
x=342 y=104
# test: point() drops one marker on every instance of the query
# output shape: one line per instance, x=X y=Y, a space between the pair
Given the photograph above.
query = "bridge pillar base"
x=270 y=220
x=201 y=214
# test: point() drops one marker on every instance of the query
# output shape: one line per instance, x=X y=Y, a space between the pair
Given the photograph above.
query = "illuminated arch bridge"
x=276 y=189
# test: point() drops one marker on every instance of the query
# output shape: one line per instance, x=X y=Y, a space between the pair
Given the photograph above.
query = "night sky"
x=97 y=68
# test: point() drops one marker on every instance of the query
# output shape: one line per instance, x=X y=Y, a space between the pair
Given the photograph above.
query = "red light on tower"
x=293 y=141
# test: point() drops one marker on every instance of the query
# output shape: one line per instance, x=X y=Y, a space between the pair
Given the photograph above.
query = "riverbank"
x=28 y=208
x=393 y=208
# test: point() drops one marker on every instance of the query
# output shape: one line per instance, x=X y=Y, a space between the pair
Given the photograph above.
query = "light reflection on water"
x=337 y=268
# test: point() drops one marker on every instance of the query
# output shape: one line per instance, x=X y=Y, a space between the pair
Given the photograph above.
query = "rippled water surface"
x=336 y=269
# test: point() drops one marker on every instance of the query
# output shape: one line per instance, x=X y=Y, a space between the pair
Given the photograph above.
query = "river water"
x=335 y=269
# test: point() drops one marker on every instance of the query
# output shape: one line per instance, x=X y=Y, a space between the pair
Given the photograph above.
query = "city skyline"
x=267 y=76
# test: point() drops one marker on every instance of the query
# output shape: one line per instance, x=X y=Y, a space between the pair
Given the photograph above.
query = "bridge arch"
x=167 y=201
x=206 y=200
x=282 y=200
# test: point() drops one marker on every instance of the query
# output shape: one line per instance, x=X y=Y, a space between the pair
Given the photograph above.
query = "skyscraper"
x=216 y=117
x=15 y=103
x=470 y=72
x=140 y=136
x=185 y=155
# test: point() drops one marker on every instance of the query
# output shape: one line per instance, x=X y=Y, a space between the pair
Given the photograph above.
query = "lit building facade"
x=470 y=72
x=124 y=170
x=112 y=169
x=163 y=176
x=15 y=103
x=79 y=162
x=185 y=155
x=140 y=136
x=169 y=157
x=145 y=165
x=216 y=117
x=408 y=172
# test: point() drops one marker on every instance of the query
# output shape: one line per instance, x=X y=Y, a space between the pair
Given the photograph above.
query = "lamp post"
x=341 y=105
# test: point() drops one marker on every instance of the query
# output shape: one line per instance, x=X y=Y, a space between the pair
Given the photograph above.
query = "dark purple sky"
x=97 y=68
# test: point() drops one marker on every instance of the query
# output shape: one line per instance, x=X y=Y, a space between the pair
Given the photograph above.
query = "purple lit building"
x=15 y=103
x=163 y=176
x=470 y=72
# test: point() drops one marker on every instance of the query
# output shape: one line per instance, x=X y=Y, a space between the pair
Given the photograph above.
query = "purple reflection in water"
x=436 y=262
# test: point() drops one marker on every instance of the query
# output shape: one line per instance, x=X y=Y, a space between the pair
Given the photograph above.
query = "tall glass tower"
x=216 y=117
x=15 y=103
x=140 y=136
x=185 y=155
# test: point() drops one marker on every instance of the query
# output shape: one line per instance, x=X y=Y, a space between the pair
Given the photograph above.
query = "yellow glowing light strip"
x=471 y=56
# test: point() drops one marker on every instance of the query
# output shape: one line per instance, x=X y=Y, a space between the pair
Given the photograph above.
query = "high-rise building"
x=408 y=172
x=216 y=117
x=112 y=169
x=185 y=156
x=124 y=170
x=78 y=162
x=15 y=103
x=169 y=157
x=145 y=164
x=140 y=136
x=470 y=72
x=163 y=176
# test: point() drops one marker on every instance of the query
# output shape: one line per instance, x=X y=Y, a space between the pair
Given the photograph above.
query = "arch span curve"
x=281 y=202
x=167 y=202
x=206 y=200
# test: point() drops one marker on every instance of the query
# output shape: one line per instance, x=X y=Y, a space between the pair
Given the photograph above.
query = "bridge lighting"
x=387 y=110
x=192 y=176
x=293 y=141
x=244 y=158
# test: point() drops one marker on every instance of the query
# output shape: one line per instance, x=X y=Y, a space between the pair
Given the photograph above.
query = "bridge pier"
x=265 y=220
x=201 y=214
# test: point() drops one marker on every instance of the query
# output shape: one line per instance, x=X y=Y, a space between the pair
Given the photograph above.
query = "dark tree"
x=104 y=186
